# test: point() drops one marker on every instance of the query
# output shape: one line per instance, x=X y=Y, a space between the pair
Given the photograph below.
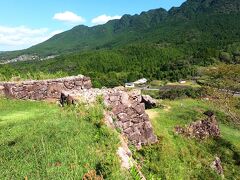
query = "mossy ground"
x=39 y=140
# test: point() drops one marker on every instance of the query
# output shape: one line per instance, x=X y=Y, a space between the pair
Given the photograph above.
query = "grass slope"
x=176 y=157
x=42 y=141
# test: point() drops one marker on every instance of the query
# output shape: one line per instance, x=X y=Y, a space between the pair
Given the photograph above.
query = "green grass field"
x=42 y=141
x=176 y=157
x=39 y=140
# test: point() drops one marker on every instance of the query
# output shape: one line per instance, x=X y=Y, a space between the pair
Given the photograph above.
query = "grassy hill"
x=39 y=140
x=42 y=141
x=178 y=157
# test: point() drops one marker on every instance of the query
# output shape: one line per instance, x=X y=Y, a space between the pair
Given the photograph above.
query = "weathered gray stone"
x=126 y=125
x=125 y=99
x=79 y=83
x=137 y=120
x=114 y=98
x=118 y=109
x=17 y=88
x=87 y=84
x=69 y=84
x=1 y=90
x=149 y=101
x=130 y=111
x=135 y=137
x=128 y=130
x=140 y=108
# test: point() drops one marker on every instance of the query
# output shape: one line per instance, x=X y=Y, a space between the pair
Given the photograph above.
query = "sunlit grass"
x=177 y=157
x=42 y=141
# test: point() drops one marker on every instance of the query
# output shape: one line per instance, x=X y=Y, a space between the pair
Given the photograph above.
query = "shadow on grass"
x=220 y=146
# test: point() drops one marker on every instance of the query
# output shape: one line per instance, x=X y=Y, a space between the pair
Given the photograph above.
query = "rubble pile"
x=202 y=129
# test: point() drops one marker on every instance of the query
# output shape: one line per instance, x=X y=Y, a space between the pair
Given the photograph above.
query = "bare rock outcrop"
x=201 y=129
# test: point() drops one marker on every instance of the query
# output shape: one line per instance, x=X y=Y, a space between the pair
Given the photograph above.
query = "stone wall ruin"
x=45 y=89
x=127 y=107
x=127 y=112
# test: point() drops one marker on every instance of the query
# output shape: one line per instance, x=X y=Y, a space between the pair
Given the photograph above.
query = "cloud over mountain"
x=22 y=37
x=102 y=19
x=69 y=16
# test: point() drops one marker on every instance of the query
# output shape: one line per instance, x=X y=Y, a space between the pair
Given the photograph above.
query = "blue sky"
x=24 y=23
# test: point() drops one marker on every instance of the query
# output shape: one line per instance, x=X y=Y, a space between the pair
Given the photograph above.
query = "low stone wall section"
x=126 y=108
x=45 y=89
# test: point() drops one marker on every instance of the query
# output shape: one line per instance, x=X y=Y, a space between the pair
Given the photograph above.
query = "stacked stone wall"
x=44 y=89
x=127 y=112
x=127 y=107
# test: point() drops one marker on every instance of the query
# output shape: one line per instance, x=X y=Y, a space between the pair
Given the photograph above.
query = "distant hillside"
x=197 y=22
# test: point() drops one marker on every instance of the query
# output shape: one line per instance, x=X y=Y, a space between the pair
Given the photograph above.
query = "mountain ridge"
x=144 y=27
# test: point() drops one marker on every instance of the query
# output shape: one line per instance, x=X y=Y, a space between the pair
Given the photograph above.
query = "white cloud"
x=69 y=16
x=103 y=19
x=13 y=38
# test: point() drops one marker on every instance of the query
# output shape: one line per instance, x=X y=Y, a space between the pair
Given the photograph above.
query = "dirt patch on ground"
x=152 y=113
x=167 y=108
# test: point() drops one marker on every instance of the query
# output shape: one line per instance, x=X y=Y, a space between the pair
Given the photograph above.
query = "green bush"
x=182 y=93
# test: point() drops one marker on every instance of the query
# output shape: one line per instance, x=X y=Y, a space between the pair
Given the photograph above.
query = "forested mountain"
x=158 y=44
x=196 y=23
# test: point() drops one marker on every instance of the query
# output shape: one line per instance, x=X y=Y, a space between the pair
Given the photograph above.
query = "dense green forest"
x=111 y=67
x=117 y=66
x=158 y=44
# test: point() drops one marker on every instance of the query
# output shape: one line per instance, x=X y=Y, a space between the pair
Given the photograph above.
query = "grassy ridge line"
x=41 y=141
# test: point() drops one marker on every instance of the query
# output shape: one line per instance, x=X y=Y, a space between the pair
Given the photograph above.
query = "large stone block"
x=87 y=84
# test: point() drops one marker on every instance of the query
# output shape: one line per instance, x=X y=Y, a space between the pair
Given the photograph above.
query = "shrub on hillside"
x=182 y=93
